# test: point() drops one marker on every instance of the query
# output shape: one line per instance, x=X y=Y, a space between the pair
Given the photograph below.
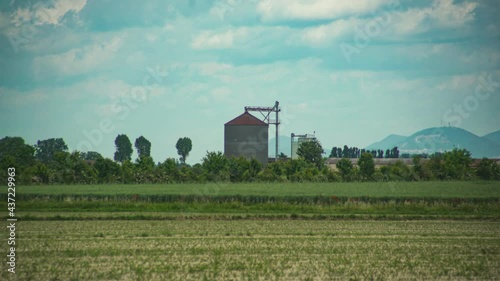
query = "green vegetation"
x=354 y=152
x=51 y=163
x=143 y=147
x=184 y=146
x=256 y=250
x=311 y=152
x=85 y=217
x=123 y=149
x=451 y=200
x=445 y=189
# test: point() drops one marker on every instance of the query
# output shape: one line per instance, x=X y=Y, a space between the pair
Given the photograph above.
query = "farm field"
x=444 y=189
x=306 y=231
x=257 y=250
x=433 y=200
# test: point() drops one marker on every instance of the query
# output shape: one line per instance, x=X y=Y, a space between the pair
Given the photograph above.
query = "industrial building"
x=297 y=140
x=247 y=136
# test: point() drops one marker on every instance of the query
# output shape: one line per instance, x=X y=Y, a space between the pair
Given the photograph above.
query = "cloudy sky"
x=353 y=71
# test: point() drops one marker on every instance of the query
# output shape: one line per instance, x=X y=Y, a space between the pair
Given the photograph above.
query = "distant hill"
x=495 y=136
x=389 y=142
x=442 y=139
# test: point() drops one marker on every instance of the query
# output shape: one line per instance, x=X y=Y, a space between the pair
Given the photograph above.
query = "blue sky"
x=353 y=71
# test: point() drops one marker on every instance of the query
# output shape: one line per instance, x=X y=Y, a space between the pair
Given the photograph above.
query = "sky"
x=351 y=71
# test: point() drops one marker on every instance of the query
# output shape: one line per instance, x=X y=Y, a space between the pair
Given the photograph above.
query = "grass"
x=303 y=231
x=452 y=200
x=256 y=250
x=446 y=189
x=37 y=209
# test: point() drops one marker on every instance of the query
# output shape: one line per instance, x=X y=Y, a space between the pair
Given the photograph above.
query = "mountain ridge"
x=440 y=139
x=493 y=136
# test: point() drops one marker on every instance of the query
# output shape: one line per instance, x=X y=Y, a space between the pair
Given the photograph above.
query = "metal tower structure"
x=266 y=113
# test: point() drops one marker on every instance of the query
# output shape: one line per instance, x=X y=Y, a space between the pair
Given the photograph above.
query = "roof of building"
x=246 y=119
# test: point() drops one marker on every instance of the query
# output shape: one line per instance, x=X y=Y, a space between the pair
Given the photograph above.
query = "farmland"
x=435 y=200
x=257 y=250
x=302 y=231
x=446 y=189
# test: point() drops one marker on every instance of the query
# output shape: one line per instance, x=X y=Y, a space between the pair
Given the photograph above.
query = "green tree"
x=70 y=168
x=144 y=169
x=488 y=170
x=169 y=170
x=73 y=169
x=366 y=165
x=90 y=155
x=311 y=152
x=42 y=173
x=143 y=147
x=345 y=167
x=457 y=164
x=345 y=152
x=293 y=167
x=128 y=172
x=436 y=166
x=184 y=146
x=242 y=169
x=108 y=171
x=61 y=167
x=45 y=149
x=145 y=163
x=23 y=154
x=400 y=171
x=333 y=152
x=237 y=167
x=216 y=165
x=418 y=169
x=123 y=148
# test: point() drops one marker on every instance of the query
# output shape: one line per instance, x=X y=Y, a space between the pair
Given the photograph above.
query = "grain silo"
x=246 y=135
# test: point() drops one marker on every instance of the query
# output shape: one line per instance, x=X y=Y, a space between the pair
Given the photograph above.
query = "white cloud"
x=457 y=83
x=275 y=10
x=224 y=40
x=441 y=14
x=21 y=16
x=76 y=61
x=211 y=68
x=206 y=40
x=324 y=34
x=21 y=98
x=41 y=14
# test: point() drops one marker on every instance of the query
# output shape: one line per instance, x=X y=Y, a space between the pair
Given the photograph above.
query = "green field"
x=433 y=200
x=305 y=231
x=446 y=189
x=257 y=250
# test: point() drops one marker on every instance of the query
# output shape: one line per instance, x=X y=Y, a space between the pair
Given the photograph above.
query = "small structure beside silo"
x=296 y=140
x=247 y=136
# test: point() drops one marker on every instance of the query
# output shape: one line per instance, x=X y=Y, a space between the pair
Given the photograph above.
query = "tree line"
x=49 y=162
x=354 y=152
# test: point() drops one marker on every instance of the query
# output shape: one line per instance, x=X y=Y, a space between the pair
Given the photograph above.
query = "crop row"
x=248 y=199
x=257 y=250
